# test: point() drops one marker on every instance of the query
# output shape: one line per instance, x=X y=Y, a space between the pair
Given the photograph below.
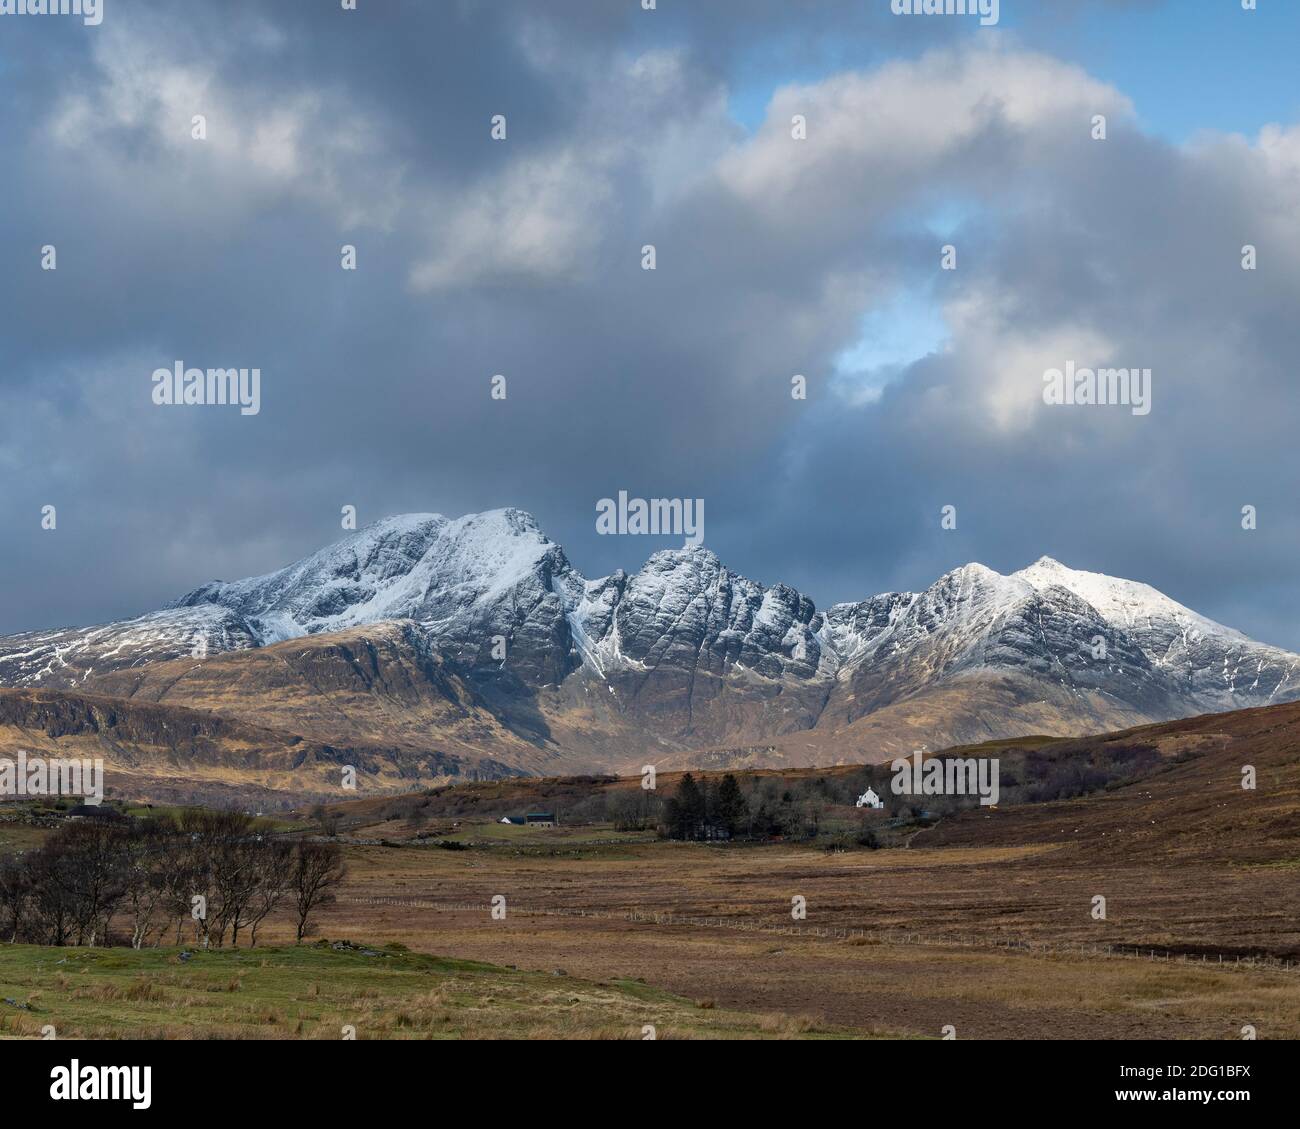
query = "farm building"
x=532 y=819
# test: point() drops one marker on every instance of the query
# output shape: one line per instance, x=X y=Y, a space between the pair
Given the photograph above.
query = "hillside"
x=474 y=643
x=166 y=753
x=1169 y=790
x=1191 y=803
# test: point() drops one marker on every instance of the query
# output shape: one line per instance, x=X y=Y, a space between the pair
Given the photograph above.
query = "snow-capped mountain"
x=468 y=582
x=70 y=656
x=1217 y=665
x=686 y=653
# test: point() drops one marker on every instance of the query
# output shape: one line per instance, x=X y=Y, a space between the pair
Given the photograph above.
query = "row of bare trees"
x=211 y=876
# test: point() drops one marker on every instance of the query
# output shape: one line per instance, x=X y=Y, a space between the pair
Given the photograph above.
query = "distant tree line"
x=707 y=811
x=769 y=807
x=203 y=877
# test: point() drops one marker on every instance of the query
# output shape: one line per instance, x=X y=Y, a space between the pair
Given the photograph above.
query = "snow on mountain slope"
x=1220 y=667
x=363 y=578
x=68 y=657
x=1124 y=603
x=689 y=646
x=974 y=621
x=950 y=616
x=686 y=608
x=469 y=582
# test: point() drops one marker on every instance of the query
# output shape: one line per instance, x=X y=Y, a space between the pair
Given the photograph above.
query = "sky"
x=775 y=257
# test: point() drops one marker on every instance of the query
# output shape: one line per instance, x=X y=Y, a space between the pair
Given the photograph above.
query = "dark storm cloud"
x=523 y=258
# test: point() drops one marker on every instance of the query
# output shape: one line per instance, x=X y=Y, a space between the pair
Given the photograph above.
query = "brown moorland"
x=982 y=919
x=985 y=921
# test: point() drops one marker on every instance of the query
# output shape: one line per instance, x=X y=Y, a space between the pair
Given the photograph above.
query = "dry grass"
x=315 y=992
x=869 y=984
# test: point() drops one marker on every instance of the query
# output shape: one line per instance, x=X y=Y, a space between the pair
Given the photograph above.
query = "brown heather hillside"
x=367 y=686
x=381 y=684
x=163 y=752
x=278 y=723
x=1154 y=792
x=969 y=710
x=1191 y=804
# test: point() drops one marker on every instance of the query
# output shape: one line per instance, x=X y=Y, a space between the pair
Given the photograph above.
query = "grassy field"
x=15 y=837
x=925 y=928
x=981 y=920
x=896 y=943
x=315 y=991
x=724 y=959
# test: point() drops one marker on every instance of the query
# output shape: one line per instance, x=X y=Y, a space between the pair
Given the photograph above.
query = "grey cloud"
x=671 y=384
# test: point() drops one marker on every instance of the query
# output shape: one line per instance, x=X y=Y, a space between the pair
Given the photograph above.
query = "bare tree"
x=52 y=919
x=327 y=820
x=15 y=892
x=183 y=876
x=92 y=875
x=70 y=888
x=274 y=865
x=317 y=868
x=241 y=880
x=148 y=852
x=219 y=866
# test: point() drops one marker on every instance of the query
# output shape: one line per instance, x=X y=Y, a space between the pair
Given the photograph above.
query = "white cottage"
x=869 y=799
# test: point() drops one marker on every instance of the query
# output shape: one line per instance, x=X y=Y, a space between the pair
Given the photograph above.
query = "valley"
x=964 y=916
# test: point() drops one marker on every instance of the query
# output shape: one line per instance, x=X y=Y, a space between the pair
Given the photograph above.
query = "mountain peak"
x=1125 y=603
x=979 y=577
x=508 y=518
x=686 y=553
x=974 y=568
x=470 y=583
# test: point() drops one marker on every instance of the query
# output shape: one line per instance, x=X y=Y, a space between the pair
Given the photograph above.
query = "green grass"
x=15 y=837
x=271 y=823
x=314 y=991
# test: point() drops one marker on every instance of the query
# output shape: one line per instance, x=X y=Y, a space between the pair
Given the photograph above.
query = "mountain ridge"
x=683 y=654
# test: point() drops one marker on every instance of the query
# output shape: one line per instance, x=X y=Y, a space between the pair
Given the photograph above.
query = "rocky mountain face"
x=477 y=633
x=467 y=582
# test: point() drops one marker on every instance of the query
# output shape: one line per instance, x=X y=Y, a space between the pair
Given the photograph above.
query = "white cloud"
x=874 y=136
x=305 y=143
